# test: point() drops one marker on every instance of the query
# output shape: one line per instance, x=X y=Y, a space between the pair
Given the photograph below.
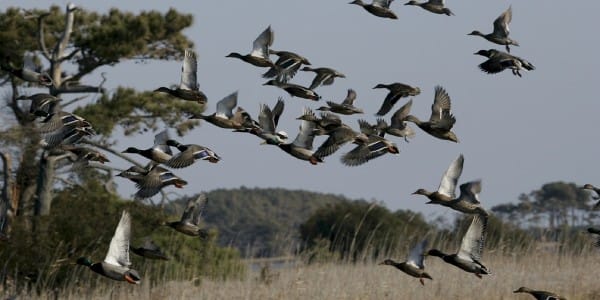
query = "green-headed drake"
x=260 y=50
x=441 y=120
x=190 y=153
x=324 y=76
x=468 y=257
x=397 y=90
x=434 y=6
x=188 y=88
x=159 y=152
x=191 y=218
x=116 y=264
x=286 y=66
x=413 y=265
x=501 y=31
x=380 y=8
x=346 y=107
x=499 y=61
x=539 y=295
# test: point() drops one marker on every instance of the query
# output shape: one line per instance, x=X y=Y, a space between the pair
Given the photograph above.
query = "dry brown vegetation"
x=572 y=276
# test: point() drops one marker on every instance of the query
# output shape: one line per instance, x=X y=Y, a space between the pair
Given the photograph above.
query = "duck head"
x=84 y=261
x=357 y=2
x=387 y=262
x=522 y=290
x=234 y=54
x=435 y=252
x=423 y=192
x=476 y=32
x=412 y=2
x=485 y=53
x=381 y=86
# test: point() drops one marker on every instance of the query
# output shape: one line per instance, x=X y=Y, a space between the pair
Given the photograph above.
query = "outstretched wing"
x=415 y=257
x=473 y=241
x=470 y=191
x=225 y=106
x=450 y=178
x=188 y=71
x=261 y=45
x=501 y=23
x=118 y=251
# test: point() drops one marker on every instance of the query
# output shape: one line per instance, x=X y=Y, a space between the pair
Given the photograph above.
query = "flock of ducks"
x=63 y=131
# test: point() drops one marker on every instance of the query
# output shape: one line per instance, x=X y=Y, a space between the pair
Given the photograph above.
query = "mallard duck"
x=374 y=146
x=396 y=91
x=468 y=257
x=41 y=103
x=150 y=182
x=295 y=90
x=83 y=155
x=149 y=250
x=594 y=189
x=188 y=88
x=467 y=202
x=539 y=295
x=434 y=6
x=159 y=152
x=413 y=265
x=116 y=264
x=301 y=147
x=345 y=108
x=441 y=120
x=28 y=72
x=189 y=154
x=501 y=31
x=224 y=116
x=260 y=50
x=191 y=218
x=498 y=61
x=287 y=64
x=380 y=8
x=63 y=128
x=267 y=124
x=323 y=125
x=337 y=138
x=398 y=127
x=324 y=76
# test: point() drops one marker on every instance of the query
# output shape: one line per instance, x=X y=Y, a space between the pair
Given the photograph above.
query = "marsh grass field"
x=572 y=276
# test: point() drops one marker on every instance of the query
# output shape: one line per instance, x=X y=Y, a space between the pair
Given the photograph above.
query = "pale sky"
x=515 y=133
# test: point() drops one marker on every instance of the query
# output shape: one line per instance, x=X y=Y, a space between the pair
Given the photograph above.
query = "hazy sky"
x=515 y=133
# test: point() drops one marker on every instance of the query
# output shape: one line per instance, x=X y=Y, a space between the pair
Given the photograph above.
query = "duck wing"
x=350 y=97
x=337 y=138
x=265 y=119
x=400 y=115
x=382 y=3
x=441 y=105
x=305 y=137
x=188 y=213
x=450 y=178
x=470 y=192
x=473 y=241
x=277 y=111
x=160 y=142
x=199 y=208
x=501 y=23
x=260 y=47
x=188 y=71
x=416 y=255
x=118 y=251
x=225 y=106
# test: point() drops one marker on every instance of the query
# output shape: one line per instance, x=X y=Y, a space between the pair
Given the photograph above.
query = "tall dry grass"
x=573 y=276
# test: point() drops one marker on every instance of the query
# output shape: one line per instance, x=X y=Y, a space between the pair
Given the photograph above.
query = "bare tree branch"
x=69 y=56
x=67 y=89
x=7 y=201
x=73 y=101
x=59 y=50
x=108 y=149
x=41 y=41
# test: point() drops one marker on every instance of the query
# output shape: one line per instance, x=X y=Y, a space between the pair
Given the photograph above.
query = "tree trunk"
x=45 y=181
x=7 y=200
